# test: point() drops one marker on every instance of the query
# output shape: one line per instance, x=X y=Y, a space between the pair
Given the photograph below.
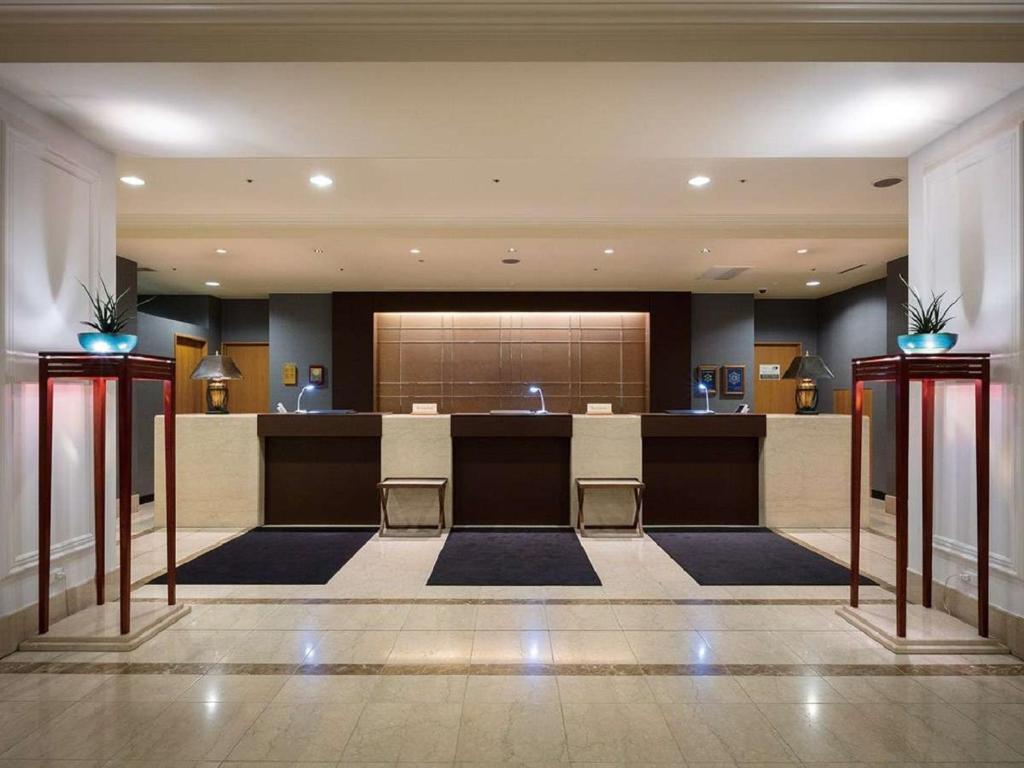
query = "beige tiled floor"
x=338 y=682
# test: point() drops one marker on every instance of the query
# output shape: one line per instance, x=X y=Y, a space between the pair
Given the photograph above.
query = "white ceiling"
x=590 y=155
x=514 y=110
x=370 y=263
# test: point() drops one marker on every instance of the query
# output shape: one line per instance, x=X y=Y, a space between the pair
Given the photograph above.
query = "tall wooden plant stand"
x=927 y=369
x=125 y=369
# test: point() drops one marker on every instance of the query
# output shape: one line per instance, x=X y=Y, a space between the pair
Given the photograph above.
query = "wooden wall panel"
x=482 y=361
x=355 y=352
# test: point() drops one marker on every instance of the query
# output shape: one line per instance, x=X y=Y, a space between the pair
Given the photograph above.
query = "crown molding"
x=509 y=30
x=200 y=226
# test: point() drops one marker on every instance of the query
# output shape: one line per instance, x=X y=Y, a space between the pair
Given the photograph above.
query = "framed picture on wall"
x=317 y=375
x=708 y=376
x=734 y=380
x=289 y=374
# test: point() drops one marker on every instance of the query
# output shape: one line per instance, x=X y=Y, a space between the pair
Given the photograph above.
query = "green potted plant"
x=108 y=323
x=926 y=323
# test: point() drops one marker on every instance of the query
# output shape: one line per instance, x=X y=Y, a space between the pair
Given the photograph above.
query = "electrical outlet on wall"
x=969 y=577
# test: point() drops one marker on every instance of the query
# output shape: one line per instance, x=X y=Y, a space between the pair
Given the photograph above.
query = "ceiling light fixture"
x=699 y=181
x=813 y=283
x=133 y=181
x=511 y=250
x=510 y=261
x=321 y=181
x=221 y=251
x=414 y=251
x=318 y=251
x=609 y=251
x=801 y=251
x=705 y=250
x=212 y=284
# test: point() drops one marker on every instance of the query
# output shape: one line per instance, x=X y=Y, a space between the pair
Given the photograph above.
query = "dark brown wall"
x=353 y=342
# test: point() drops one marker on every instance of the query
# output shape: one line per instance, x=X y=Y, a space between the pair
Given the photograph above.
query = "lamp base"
x=217 y=397
x=806 y=397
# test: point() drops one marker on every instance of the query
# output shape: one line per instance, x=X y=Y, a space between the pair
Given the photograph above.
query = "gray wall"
x=787 y=320
x=127 y=280
x=204 y=312
x=854 y=324
x=300 y=333
x=245 y=320
x=895 y=298
x=722 y=333
x=156 y=337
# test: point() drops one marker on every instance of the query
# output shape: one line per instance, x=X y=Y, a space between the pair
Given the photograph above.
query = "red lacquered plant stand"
x=902 y=369
x=125 y=369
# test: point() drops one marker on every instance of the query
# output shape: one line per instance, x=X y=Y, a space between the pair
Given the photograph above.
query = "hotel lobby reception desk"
x=511 y=469
x=245 y=470
x=701 y=469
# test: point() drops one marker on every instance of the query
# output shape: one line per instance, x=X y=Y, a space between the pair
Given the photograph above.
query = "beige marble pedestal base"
x=929 y=630
x=98 y=628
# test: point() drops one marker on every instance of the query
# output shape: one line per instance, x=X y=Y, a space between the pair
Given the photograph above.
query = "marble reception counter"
x=775 y=470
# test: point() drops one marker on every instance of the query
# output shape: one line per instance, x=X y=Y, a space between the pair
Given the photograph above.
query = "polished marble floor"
x=377 y=668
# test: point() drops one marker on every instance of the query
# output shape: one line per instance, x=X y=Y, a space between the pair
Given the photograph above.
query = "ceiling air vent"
x=722 y=273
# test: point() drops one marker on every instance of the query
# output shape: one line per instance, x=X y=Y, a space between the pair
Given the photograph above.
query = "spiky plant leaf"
x=927 y=318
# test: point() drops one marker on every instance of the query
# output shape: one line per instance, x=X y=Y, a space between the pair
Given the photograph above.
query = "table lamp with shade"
x=807 y=369
x=216 y=369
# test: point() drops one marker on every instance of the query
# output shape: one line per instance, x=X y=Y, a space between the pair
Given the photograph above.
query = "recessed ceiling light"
x=321 y=181
x=889 y=182
x=699 y=181
x=609 y=251
x=511 y=250
x=813 y=283
x=801 y=250
x=133 y=181
x=705 y=250
x=510 y=261
x=221 y=251
x=318 y=251
x=414 y=251
x=212 y=284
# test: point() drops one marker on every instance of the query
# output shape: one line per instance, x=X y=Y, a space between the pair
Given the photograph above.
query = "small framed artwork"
x=734 y=380
x=289 y=374
x=317 y=375
x=708 y=376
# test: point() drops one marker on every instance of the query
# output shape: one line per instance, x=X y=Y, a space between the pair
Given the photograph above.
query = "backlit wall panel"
x=477 y=362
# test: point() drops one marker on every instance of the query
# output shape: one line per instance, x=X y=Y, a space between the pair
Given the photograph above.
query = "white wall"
x=965 y=237
x=57 y=209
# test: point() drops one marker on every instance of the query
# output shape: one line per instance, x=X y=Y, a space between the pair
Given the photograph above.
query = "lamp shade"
x=808 y=367
x=216 y=367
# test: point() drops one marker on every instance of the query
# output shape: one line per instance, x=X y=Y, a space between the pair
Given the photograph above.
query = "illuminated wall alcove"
x=480 y=361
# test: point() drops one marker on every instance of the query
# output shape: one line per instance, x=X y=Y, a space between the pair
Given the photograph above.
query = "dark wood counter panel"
x=511 y=469
x=320 y=469
x=318 y=425
x=704 y=425
x=702 y=469
x=509 y=425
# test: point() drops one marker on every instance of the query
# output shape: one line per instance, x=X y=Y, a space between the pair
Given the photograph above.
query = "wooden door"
x=189 y=395
x=250 y=394
x=774 y=395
